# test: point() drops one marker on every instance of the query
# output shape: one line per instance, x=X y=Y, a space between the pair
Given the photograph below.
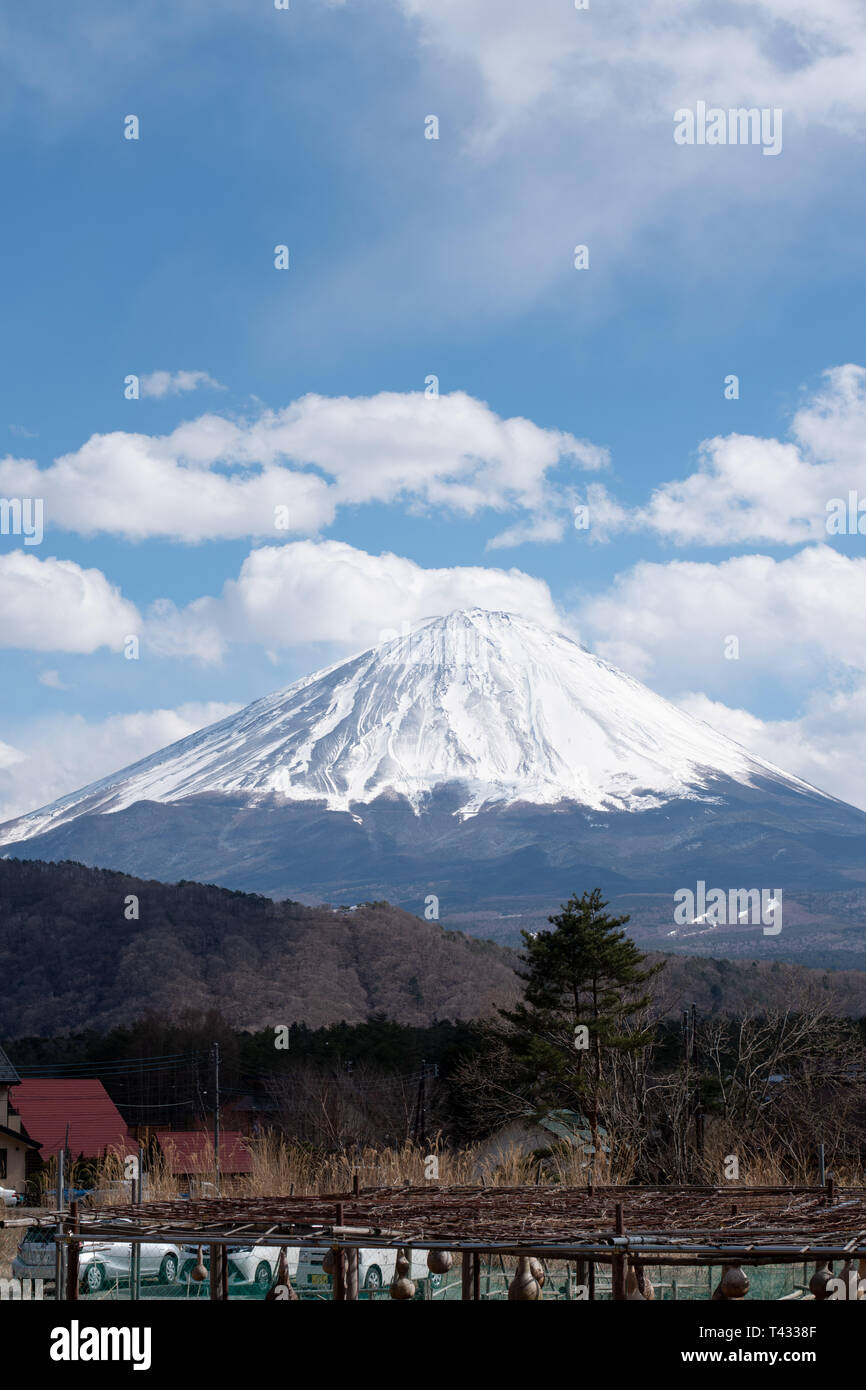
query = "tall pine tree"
x=584 y=984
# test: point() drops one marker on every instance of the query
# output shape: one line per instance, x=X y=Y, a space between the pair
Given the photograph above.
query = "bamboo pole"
x=219 y=1273
x=339 y=1276
x=352 y=1275
x=339 y=1279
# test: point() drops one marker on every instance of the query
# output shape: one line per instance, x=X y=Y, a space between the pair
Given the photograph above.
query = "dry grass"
x=8 y=1246
x=759 y=1165
x=281 y=1167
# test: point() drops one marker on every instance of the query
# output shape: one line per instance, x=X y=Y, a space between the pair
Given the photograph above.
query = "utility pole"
x=423 y=1115
x=216 y=1116
x=59 y=1247
x=135 y=1251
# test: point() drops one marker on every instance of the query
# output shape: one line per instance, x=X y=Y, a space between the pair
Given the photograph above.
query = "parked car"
x=72 y=1194
x=8 y=1197
x=375 y=1268
x=248 y=1264
x=99 y=1263
x=112 y=1191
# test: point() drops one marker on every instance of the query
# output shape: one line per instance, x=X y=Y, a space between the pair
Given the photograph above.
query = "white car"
x=100 y=1263
x=375 y=1268
x=8 y=1196
x=248 y=1264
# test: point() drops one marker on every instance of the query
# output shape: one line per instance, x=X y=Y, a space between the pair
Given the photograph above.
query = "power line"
x=160 y=1105
x=83 y=1070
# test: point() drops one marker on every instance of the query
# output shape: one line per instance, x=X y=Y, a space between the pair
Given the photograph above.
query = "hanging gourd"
x=849 y=1284
x=734 y=1283
x=199 y=1270
x=537 y=1271
x=402 y=1287
x=639 y=1279
x=634 y=1294
x=524 y=1287
x=819 y=1281
x=281 y=1290
x=439 y=1261
x=328 y=1265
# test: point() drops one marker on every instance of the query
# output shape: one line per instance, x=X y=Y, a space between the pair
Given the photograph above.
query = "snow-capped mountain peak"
x=507 y=709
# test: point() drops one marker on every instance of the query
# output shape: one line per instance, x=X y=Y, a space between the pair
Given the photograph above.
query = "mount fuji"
x=480 y=758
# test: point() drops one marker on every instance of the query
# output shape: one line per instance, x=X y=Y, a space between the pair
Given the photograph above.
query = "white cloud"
x=216 y=478
x=539 y=531
x=9 y=756
x=55 y=605
x=667 y=623
x=603 y=514
x=58 y=754
x=329 y=591
x=53 y=680
x=548 y=114
x=824 y=745
x=161 y=384
x=798 y=646
x=750 y=489
x=526 y=56
x=450 y=450
x=647 y=57
x=564 y=119
x=136 y=486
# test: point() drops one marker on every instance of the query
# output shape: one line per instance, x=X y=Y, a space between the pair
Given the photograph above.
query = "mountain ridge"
x=70 y=953
x=72 y=961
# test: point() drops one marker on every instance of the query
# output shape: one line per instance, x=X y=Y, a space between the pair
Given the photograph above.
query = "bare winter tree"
x=334 y=1108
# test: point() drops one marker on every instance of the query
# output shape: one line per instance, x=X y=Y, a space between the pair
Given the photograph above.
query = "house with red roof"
x=77 y=1114
x=15 y=1146
x=190 y=1153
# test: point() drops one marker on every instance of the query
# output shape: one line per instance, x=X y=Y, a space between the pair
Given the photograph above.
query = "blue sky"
x=410 y=257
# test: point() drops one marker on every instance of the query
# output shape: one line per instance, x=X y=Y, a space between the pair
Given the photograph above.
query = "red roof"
x=48 y=1106
x=191 y=1151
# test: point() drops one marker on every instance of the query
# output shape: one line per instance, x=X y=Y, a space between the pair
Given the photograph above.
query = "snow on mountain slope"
x=511 y=710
